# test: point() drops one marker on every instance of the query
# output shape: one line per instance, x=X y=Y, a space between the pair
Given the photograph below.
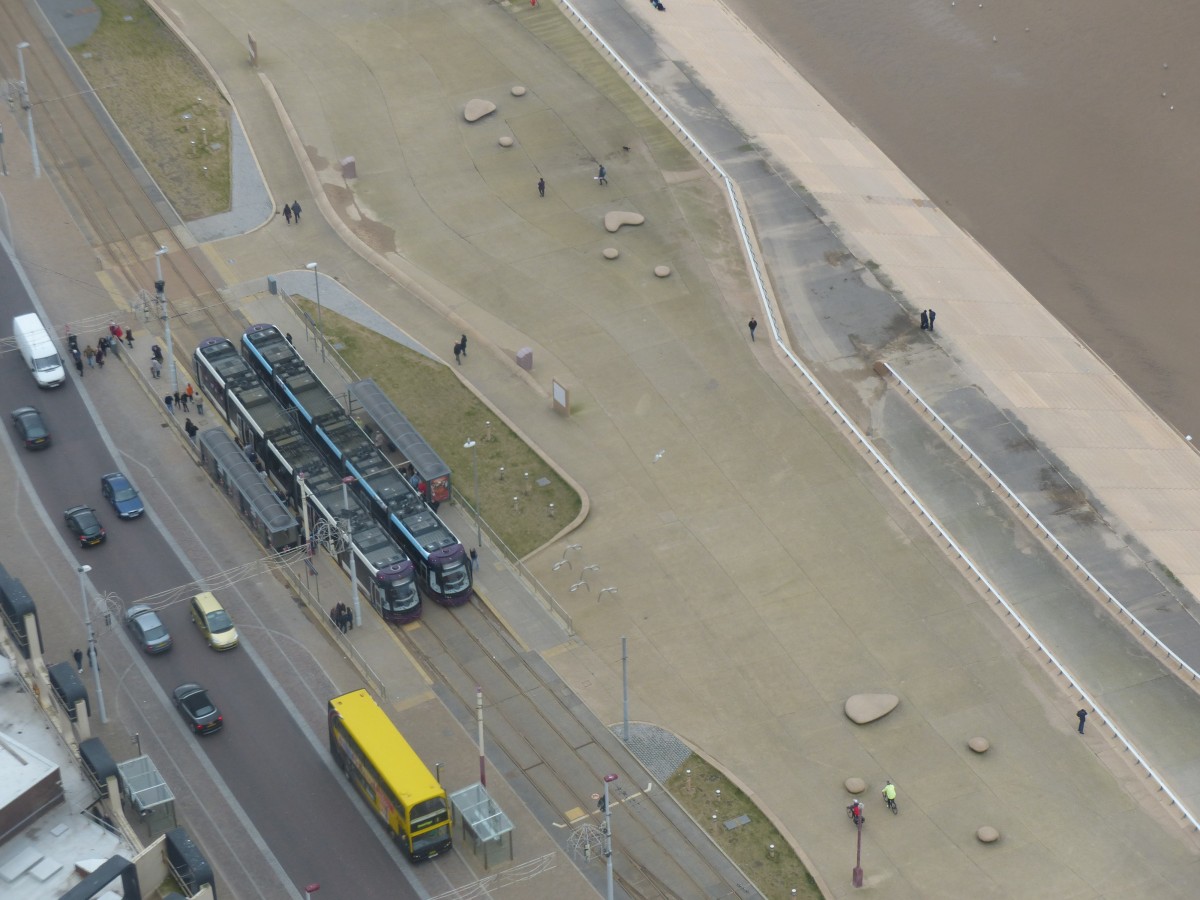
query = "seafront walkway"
x=764 y=572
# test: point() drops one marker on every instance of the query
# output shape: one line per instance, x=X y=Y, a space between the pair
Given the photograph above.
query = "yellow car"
x=214 y=623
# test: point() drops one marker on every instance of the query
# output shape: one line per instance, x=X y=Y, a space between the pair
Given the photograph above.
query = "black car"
x=29 y=424
x=147 y=629
x=82 y=522
x=122 y=495
x=197 y=710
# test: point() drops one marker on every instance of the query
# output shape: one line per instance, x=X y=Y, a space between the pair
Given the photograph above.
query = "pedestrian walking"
x=602 y=176
x=541 y=187
x=78 y=362
x=287 y=213
x=474 y=559
x=190 y=427
x=1082 y=716
x=156 y=352
x=457 y=353
x=89 y=353
x=113 y=345
x=129 y=338
x=924 y=320
x=155 y=368
x=462 y=342
x=100 y=356
x=112 y=328
x=932 y=316
x=753 y=325
x=183 y=402
x=296 y=210
x=289 y=338
x=190 y=391
x=78 y=654
x=170 y=401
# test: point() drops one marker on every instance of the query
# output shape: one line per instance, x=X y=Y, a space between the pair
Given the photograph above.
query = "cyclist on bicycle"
x=889 y=794
x=856 y=812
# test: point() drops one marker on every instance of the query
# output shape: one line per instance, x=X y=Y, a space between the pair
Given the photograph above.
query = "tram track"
x=109 y=196
x=534 y=720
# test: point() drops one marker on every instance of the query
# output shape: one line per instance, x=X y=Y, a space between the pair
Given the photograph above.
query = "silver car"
x=147 y=629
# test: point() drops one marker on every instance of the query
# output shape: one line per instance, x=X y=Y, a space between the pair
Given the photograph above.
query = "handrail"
x=863 y=443
x=1047 y=534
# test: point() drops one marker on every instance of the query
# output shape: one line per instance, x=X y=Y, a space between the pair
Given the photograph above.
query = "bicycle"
x=855 y=813
x=890 y=800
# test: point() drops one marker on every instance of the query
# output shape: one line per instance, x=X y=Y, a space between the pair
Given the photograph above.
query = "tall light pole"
x=160 y=290
x=312 y=266
x=25 y=102
x=470 y=445
x=608 y=779
x=354 y=602
x=92 y=658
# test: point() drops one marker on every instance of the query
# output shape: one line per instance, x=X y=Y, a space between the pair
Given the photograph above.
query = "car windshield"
x=124 y=493
x=219 y=621
x=152 y=628
x=46 y=363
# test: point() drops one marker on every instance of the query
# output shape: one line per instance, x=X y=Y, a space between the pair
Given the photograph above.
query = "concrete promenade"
x=764 y=574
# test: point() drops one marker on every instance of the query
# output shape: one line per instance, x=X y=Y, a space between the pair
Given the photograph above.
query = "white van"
x=38 y=351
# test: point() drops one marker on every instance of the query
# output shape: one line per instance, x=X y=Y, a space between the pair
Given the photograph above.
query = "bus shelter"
x=147 y=793
x=482 y=818
x=227 y=465
x=400 y=433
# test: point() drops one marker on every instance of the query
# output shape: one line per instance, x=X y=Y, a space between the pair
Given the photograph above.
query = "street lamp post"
x=28 y=104
x=470 y=445
x=93 y=660
x=608 y=779
x=346 y=482
x=160 y=290
x=312 y=266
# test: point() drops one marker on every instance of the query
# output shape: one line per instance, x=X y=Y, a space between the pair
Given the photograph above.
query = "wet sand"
x=1052 y=146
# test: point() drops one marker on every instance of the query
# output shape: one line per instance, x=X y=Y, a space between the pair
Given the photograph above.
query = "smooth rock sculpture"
x=987 y=834
x=864 y=708
x=615 y=219
x=477 y=109
x=506 y=141
x=662 y=271
x=855 y=785
x=518 y=90
x=979 y=744
x=611 y=252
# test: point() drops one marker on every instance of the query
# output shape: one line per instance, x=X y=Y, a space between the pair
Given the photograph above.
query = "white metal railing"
x=1045 y=533
x=833 y=407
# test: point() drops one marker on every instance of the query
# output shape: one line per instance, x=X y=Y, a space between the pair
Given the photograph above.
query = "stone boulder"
x=506 y=141
x=518 y=90
x=855 y=785
x=864 y=708
x=477 y=109
x=611 y=252
x=614 y=220
x=979 y=744
x=662 y=271
x=987 y=834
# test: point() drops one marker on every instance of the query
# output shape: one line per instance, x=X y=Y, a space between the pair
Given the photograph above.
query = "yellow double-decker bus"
x=389 y=775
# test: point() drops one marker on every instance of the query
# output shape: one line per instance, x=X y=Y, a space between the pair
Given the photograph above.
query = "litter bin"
x=272 y=284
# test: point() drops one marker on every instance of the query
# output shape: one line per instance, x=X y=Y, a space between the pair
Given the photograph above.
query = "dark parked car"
x=29 y=424
x=197 y=710
x=122 y=495
x=147 y=629
x=82 y=522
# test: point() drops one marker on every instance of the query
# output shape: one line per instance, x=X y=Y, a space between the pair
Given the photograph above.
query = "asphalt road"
x=269 y=766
